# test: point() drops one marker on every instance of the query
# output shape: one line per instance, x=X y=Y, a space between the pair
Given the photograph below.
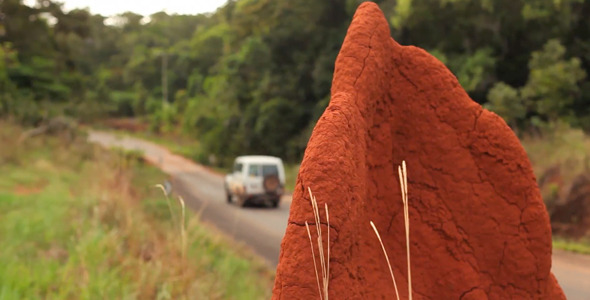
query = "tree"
x=553 y=83
x=256 y=75
x=506 y=102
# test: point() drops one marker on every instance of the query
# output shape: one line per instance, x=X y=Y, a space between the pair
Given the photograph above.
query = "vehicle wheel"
x=275 y=202
x=241 y=201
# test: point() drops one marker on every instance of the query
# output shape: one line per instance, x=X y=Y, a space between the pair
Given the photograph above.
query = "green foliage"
x=506 y=102
x=550 y=92
x=473 y=69
x=553 y=81
x=8 y=60
x=123 y=102
x=403 y=10
x=274 y=119
x=164 y=118
x=255 y=76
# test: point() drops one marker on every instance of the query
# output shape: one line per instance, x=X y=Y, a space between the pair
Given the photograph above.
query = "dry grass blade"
x=386 y=258
x=403 y=179
x=182 y=227
x=328 y=267
x=182 y=224
x=324 y=261
x=169 y=202
x=315 y=267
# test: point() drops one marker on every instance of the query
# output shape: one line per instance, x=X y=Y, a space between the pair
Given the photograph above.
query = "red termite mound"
x=478 y=226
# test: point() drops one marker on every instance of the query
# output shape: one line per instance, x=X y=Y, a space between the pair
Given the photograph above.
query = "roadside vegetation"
x=561 y=161
x=582 y=247
x=177 y=142
x=82 y=222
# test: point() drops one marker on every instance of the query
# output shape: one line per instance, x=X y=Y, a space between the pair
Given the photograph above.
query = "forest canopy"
x=254 y=76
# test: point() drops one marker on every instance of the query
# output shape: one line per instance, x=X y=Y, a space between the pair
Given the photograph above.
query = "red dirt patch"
x=479 y=229
x=24 y=190
x=127 y=124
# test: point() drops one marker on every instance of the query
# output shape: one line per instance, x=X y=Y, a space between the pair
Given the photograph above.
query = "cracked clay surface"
x=478 y=226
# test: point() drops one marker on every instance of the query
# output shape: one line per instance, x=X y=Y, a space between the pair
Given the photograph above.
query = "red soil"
x=127 y=124
x=478 y=226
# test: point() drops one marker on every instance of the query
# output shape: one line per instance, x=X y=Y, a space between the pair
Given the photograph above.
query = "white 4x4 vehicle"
x=259 y=179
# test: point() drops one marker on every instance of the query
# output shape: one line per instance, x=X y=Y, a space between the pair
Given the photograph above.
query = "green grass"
x=79 y=222
x=582 y=247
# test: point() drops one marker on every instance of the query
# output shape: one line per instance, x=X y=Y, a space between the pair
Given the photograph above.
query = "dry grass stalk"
x=386 y=258
x=168 y=201
x=315 y=267
x=328 y=262
x=182 y=224
x=324 y=261
x=182 y=227
x=403 y=179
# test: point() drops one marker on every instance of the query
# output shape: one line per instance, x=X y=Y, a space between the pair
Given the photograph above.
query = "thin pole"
x=164 y=79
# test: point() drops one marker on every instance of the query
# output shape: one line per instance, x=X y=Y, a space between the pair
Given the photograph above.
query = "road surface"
x=262 y=229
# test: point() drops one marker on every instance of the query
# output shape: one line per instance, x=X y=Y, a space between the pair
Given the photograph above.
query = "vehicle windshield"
x=269 y=170
x=264 y=170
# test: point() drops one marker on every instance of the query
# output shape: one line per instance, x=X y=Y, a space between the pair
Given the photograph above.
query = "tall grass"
x=182 y=227
x=79 y=222
x=182 y=223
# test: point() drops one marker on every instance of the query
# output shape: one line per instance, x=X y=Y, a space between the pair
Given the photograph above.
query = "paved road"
x=573 y=273
x=263 y=228
x=259 y=228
